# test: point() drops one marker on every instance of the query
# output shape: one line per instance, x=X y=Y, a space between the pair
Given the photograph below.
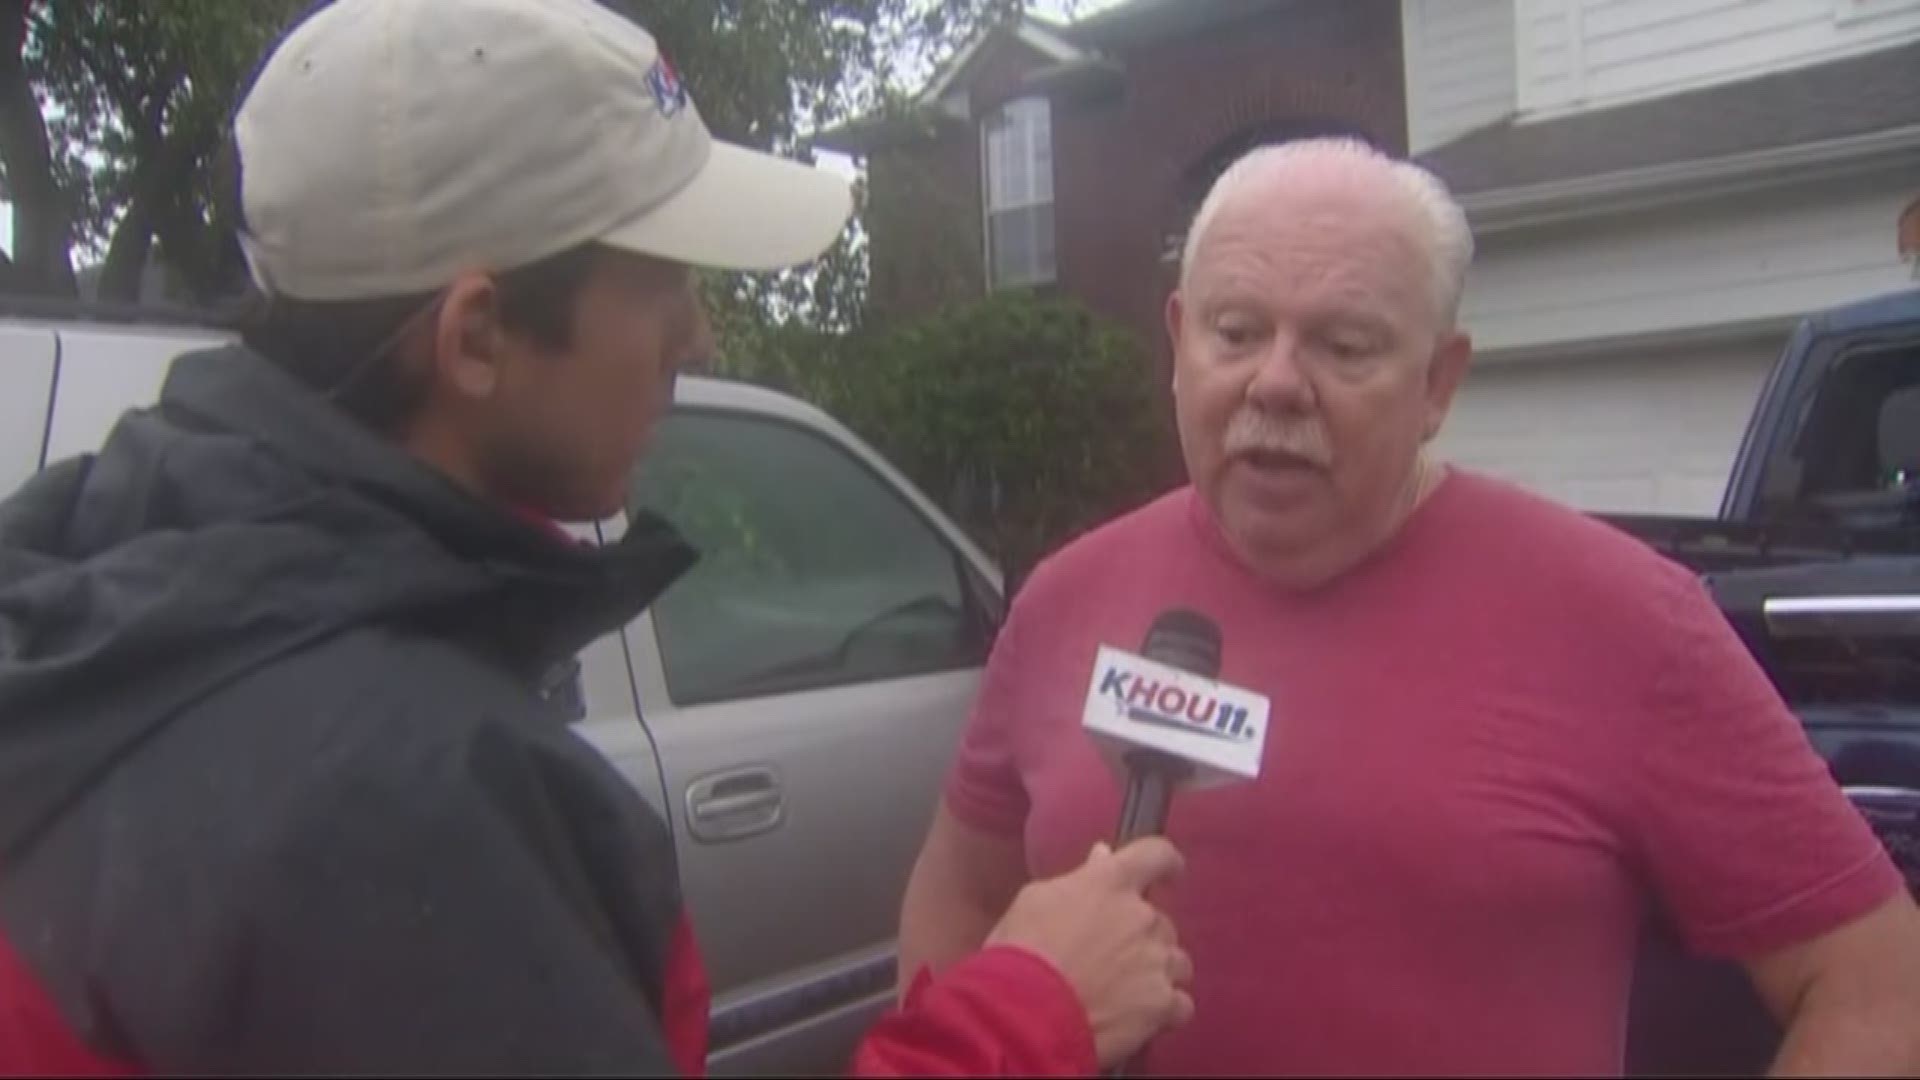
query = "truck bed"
x=1713 y=544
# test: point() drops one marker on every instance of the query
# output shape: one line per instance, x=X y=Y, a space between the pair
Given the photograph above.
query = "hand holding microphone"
x=1120 y=953
x=1168 y=723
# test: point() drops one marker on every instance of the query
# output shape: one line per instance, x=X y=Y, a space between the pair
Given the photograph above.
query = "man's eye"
x=1236 y=333
x=1350 y=346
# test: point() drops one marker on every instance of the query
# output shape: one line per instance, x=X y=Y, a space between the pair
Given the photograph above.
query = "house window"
x=1019 y=190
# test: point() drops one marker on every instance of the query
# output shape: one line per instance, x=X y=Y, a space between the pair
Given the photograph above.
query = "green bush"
x=1028 y=419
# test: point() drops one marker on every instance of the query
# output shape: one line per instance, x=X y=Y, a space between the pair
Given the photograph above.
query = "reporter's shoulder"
x=373 y=714
x=1089 y=560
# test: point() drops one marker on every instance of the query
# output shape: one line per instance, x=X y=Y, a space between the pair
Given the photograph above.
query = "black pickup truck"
x=1815 y=560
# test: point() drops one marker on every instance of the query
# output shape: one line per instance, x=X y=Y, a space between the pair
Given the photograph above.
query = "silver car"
x=790 y=706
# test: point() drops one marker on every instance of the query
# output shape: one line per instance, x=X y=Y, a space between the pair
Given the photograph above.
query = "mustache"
x=1254 y=431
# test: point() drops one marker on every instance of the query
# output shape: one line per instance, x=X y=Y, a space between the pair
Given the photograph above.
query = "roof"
x=1855 y=96
x=1043 y=37
x=1155 y=20
x=1078 y=54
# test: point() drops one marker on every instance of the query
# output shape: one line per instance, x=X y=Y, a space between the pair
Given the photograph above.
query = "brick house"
x=1071 y=158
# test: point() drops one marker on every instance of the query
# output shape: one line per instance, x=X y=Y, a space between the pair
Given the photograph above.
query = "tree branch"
x=42 y=221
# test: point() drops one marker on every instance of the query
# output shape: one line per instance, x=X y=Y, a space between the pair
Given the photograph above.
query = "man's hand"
x=1117 y=950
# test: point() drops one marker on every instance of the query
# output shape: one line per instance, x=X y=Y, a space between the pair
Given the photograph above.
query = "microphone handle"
x=1151 y=778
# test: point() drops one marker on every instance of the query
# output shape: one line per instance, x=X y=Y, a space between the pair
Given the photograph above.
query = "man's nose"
x=1280 y=383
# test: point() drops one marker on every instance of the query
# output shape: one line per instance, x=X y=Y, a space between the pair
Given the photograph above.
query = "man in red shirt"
x=1500 y=730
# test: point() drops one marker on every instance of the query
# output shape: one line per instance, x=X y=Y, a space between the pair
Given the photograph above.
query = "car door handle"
x=734 y=805
x=726 y=806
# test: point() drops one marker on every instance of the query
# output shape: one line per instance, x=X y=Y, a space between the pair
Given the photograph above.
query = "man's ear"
x=466 y=337
x=1445 y=372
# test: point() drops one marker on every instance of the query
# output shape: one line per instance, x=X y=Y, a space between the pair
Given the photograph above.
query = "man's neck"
x=443 y=456
x=1315 y=571
x=1425 y=480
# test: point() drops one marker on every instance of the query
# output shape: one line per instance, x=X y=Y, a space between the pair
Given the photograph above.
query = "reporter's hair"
x=330 y=346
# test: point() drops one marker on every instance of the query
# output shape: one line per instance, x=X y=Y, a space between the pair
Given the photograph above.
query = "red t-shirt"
x=1492 y=747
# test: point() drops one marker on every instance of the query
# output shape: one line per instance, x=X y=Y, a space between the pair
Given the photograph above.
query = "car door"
x=602 y=712
x=26 y=394
x=806 y=685
x=105 y=371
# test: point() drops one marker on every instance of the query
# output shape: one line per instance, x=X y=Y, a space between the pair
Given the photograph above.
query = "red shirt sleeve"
x=1748 y=841
x=1001 y=1012
x=984 y=789
x=686 y=1001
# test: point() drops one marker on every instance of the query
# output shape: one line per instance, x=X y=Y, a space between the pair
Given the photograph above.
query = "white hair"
x=1446 y=236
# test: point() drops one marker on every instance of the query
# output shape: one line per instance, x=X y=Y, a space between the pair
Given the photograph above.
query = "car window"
x=1856 y=455
x=814 y=572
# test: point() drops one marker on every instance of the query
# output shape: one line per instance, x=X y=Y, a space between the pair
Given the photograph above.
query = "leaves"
x=134 y=98
x=1029 y=419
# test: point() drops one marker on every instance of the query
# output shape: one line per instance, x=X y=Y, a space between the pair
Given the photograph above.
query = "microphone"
x=1191 y=642
x=1167 y=721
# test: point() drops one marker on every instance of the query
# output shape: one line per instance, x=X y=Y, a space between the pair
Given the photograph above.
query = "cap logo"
x=669 y=93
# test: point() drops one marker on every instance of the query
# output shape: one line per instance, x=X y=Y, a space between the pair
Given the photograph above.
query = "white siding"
x=1575 y=54
x=1734 y=260
x=1547 y=54
x=1460 y=67
x=1636 y=432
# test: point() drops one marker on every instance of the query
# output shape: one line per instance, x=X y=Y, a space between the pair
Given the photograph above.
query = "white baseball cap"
x=389 y=145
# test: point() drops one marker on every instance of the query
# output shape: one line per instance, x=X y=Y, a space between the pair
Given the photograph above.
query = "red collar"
x=541 y=521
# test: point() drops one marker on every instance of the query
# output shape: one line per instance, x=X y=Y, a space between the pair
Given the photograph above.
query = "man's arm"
x=962 y=884
x=974 y=862
x=1850 y=998
x=1759 y=856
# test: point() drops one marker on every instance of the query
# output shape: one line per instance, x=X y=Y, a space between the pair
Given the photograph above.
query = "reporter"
x=279 y=790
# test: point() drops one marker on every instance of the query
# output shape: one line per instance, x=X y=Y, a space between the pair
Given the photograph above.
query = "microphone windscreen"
x=1186 y=640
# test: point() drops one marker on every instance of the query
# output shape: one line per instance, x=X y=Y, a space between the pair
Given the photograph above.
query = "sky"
x=1059 y=9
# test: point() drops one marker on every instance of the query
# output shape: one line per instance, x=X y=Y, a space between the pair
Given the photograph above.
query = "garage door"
x=1637 y=433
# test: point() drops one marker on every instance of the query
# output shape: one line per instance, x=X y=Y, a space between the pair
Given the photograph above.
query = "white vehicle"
x=789 y=706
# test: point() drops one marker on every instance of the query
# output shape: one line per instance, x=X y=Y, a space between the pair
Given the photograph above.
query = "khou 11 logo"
x=1149 y=704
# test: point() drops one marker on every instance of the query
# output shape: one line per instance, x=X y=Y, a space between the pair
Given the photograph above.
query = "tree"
x=112 y=113
x=130 y=102
x=1028 y=419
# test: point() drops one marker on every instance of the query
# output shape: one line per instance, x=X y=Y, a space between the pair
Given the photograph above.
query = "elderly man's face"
x=1312 y=363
